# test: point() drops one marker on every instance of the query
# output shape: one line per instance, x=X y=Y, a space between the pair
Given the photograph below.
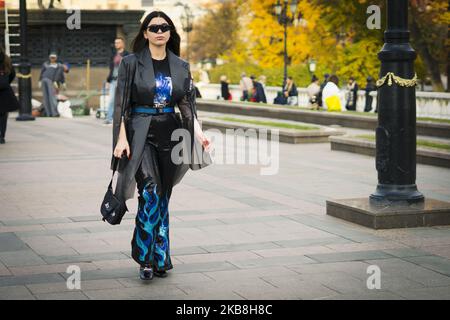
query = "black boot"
x=160 y=274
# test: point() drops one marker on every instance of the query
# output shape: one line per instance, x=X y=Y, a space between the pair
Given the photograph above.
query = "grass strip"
x=420 y=142
x=269 y=123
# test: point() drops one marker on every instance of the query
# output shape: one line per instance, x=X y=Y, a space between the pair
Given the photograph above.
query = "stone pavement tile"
x=70 y=295
x=207 y=293
x=24 y=222
x=55 y=251
x=20 y=258
x=240 y=247
x=396 y=283
x=43 y=232
x=55 y=287
x=230 y=217
x=443 y=251
x=107 y=273
x=375 y=295
x=272 y=261
x=246 y=288
x=115 y=264
x=420 y=242
x=4 y=271
x=21 y=228
x=52 y=268
x=436 y=293
x=299 y=287
x=297 y=251
x=357 y=269
x=336 y=281
x=203 y=267
x=381 y=245
x=311 y=242
x=342 y=229
x=349 y=256
x=196 y=223
x=250 y=273
x=247 y=220
x=93 y=247
x=85 y=257
x=74 y=238
x=255 y=201
x=172 y=278
x=30 y=279
x=146 y=291
x=401 y=268
x=438 y=264
x=15 y=293
x=406 y=252
x=46 y=245
x=10 y=242
x=179 y=251
x=218 y=256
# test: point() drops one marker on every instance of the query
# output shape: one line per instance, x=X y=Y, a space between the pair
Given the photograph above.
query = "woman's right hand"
x=121 y=147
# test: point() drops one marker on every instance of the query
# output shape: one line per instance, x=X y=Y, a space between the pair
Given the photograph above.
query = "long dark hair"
x=5 y=61
x=140 y=42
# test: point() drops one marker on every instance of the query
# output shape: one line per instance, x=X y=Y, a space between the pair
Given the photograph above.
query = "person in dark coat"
x=151 y=82
x=323 y=84
x=8 y=100
x=258 y=91
x=370 y=86
x=224 y=88
x=352 y=94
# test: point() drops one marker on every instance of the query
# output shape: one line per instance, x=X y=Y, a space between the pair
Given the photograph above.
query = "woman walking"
x=151 y=81
x=8 y=99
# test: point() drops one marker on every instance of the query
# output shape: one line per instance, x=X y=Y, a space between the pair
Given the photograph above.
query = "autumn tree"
x=216 y=32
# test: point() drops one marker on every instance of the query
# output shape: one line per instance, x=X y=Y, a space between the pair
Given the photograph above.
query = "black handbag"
x=112 y=208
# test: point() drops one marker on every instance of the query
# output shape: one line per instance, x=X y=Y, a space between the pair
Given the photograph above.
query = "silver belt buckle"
x=159 y=105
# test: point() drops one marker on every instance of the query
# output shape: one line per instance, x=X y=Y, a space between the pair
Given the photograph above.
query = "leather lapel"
x=178 y=76
x=146 y=72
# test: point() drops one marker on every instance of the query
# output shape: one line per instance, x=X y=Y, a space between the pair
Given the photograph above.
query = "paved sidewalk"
x=235 y=234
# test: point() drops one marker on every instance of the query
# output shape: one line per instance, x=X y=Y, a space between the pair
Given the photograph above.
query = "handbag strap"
x=115 y=165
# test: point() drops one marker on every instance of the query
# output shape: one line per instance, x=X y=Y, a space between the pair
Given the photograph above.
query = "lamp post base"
x=393 y=192
x=396 y=214
x=25 y=117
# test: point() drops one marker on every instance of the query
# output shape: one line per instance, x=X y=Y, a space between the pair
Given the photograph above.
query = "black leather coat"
x=136 y=86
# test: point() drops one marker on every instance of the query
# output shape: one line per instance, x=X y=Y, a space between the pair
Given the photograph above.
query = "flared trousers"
x=154 y=179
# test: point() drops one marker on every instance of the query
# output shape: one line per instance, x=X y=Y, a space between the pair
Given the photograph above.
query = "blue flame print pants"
x=154 y=178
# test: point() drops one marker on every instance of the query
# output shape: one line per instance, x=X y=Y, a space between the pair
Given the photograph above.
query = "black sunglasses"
x=156 y=27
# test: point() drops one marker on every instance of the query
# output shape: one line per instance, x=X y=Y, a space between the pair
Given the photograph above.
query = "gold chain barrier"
x=391 y=77
x=23 y=76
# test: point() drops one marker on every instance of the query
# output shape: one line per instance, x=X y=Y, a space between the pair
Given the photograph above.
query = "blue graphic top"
x=163 y=81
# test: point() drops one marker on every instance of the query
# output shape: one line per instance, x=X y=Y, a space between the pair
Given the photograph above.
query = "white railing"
x=429 y=104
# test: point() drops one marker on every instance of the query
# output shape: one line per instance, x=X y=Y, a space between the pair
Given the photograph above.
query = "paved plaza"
x=235 y=234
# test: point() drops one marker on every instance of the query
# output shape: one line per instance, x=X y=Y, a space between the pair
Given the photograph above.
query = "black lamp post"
x=24 y=74
x=187 y=19
x=281 y=10
x=396 y=131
